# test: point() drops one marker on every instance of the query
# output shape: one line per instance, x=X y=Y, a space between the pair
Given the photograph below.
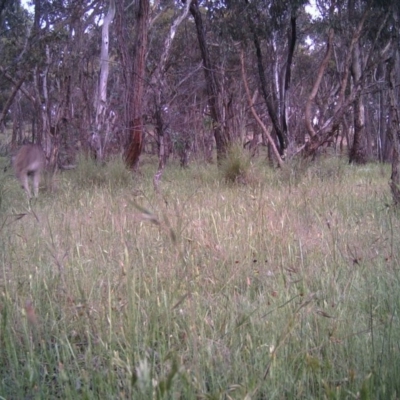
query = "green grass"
x=286 y=287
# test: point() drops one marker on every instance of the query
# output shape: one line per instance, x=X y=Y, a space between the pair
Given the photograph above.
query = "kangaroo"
x=29 y=161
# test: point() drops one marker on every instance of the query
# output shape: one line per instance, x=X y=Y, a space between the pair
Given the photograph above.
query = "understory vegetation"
x=282 y=285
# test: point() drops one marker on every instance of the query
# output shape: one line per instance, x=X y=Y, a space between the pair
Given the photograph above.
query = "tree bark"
x=394 y=128
x=292 y=37
x=385 y=144
x=135 y=144
x=102 y=127
x=122 y=33
x=394 y=131
x=221 y=133
x=283 y=142
x=358 y=150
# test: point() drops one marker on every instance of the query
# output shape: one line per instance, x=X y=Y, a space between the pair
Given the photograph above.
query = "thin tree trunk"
x=221 y=133
x=283 y=142
x=317 y=83
x=385 y=145
x=394 y=128
x=292 y=36
x=358 y=150
x=158 y=82
x=395 y=135
x=122 y=33
x=135 y=144
x=8 y=103
x=258 y=119
x=102 y=127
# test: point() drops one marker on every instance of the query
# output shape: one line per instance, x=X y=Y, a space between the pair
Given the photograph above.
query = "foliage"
x=205 y=291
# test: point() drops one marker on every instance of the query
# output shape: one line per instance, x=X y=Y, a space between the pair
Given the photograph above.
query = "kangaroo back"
x=29 y=161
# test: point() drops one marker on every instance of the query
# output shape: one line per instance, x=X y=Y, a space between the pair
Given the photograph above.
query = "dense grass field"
x=283 y=286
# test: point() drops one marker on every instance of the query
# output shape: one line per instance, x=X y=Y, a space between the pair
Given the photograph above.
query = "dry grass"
x=285 y=288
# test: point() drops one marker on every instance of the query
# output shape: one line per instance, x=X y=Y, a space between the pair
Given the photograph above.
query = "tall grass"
x=286 y=288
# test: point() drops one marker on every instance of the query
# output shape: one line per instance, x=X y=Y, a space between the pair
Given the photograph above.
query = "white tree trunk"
x=100 y=137
x=158 y=83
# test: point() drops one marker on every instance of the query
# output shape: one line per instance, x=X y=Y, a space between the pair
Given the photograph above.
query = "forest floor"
x=285 y=287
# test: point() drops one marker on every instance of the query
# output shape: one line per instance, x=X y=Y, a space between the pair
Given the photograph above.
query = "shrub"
x=235 y=167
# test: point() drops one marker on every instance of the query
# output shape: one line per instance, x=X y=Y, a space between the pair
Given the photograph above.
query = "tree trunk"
x=158 y=83
x=102 y=125
x=331 y=126
x=283 y=142
x=384 y=142
x=135 y=144
x=317 y=83
x=394 y=128
x=8 y=103
x=292 y=36
x=221 y=133
x=122 y=33
x=358 y=150
x=254 y=112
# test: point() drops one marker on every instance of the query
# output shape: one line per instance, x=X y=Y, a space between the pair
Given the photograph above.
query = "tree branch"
x=254 y=112
x=317 y=83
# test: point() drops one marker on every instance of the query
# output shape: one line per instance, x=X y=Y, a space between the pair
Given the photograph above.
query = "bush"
x=235 y=168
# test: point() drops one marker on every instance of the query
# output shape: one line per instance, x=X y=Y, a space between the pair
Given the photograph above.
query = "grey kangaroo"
x=29 y=161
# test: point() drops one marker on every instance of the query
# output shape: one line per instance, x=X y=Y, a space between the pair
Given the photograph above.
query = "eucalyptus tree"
x=393 y=78
x=104 y=116
x=367 y=54
x=15 y=32
x=55 y=54
x=272 y=28
x=220 y=129
x=136 y=135
x=158 y=83
x=356 y=44
x=162 y=87
x=180 y=98
x=64 y=31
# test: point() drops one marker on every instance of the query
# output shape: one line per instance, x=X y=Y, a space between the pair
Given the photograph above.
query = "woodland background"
x=187 y=78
